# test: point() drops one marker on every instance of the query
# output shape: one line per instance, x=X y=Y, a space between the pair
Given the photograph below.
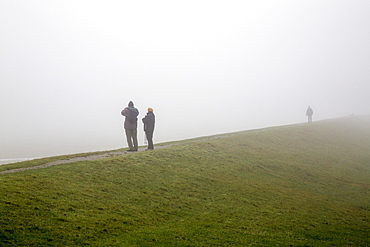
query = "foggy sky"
x=68 y=68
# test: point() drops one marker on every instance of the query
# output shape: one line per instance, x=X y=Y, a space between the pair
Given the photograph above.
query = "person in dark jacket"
x=149 y=122
x=309 y=114
x=130 y=113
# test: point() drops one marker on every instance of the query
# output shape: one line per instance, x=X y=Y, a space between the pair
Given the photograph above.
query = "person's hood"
x=133 y=109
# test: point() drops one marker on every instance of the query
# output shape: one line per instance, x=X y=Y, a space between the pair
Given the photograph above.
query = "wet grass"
x=298 y=185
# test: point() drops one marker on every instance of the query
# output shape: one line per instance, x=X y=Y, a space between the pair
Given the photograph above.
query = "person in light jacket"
x=149 y=122
x=130 y=113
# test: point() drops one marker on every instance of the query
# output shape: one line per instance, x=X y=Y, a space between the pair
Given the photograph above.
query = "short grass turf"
x=297 y=185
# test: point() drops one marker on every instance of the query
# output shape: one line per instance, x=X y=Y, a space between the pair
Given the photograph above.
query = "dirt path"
x=84 y=158
x=110 y=154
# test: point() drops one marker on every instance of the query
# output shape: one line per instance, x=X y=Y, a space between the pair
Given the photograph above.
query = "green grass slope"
x=297 y=185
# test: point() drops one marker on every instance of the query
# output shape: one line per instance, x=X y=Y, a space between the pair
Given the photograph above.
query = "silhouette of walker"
x=309 y=114
x=149 y=122
x=130 y=113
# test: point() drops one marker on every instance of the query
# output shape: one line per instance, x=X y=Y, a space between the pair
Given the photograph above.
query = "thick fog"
x=68 y=68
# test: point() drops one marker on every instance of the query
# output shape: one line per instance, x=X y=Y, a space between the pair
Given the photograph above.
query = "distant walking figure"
x=309 y=114
x=130 y=126
x=149 y=122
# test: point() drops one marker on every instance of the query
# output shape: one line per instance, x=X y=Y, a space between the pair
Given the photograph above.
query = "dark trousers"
x=309 y=119
x=149 y=137
x=131 y=135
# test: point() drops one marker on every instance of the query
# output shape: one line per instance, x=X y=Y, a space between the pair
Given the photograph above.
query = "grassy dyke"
x=297 y=185
x=43 y=161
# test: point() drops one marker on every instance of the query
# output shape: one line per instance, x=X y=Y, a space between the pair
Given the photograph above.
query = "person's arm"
x=124 y=112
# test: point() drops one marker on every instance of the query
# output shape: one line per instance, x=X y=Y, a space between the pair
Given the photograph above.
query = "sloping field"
x=297 y=185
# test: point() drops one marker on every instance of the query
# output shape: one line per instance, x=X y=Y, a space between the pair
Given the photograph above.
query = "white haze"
x=68 y=68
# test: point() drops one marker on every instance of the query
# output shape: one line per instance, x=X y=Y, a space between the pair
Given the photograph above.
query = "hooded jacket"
x=309 y=111
x=130 y=114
